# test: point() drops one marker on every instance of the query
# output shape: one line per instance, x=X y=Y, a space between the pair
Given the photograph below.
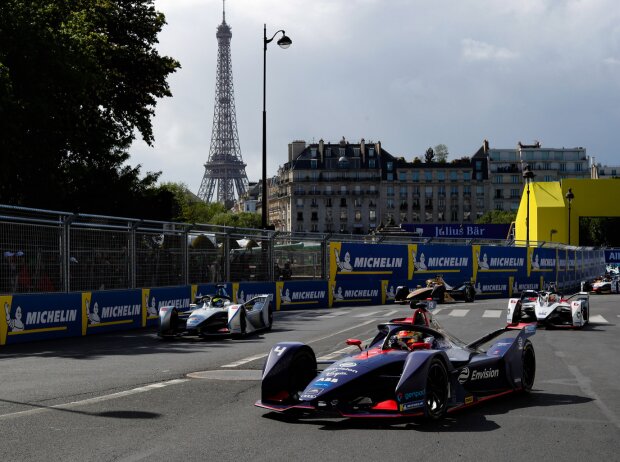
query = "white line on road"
x=459 y=313
x=332 y=315
x=492 y=313
x=264 y=355
x=365 y=315
x=598 y=319
x=97 y=399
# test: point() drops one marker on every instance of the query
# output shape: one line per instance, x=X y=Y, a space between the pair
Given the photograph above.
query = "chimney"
x=378 y=148
x=295 y=148
x=321 y=148
x=485 y=145
x=363 y=150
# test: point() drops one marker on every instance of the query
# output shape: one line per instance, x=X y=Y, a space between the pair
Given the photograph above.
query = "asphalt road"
x=132 y=397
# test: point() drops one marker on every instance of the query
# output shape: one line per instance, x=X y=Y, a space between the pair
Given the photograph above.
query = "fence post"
x=132 y=254
x=324 y=256
x=186 y=255
x=65 y=252
x=227 y=256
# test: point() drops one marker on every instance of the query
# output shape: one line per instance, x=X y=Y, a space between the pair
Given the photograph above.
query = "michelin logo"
x=448 y=262
x=51 y=316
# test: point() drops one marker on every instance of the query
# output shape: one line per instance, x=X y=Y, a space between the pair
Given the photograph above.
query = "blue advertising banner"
x=244 y=291
x=36 y=317
x=612 y=256
x=301 y=294
x=362 y=292
x=510 y=261
x=457 y=230
x=106 y=311
x=153 y=299
x=369 y=261
x=453 y=262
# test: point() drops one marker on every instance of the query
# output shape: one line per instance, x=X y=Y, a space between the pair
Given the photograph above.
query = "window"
x=403 y=218
x=300 y=216
x=315 y=228
x=499 y=206
x=328 y=190
x=467 y=176
x=428 y=216
x=454 y=216
x=313 y=163
x=299 y=202
x=467 y=190
x=343 y=190
x=515 y=193
x=479 y=190
x=390 y=177
x=428 y=191
x=499 y=179
x=428 y=176
x=371 y=163
x=390 y=166
x=358 y=215
x=403 y=192
x=343 y=202
x=372 y=215
x=328 y=202
x=454 y=191
x=315 y=216
x=343 y=214
x=453 y=176
x=441 y=176
x=415 y=176
x=390 y=203
x=390 y=190
x=402 y=176
x=514 y=179
x=357 y=202
x=371 y=152
x=415 y=216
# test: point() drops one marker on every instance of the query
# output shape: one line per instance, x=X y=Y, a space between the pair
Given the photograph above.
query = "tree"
x=78 y=80
x=441 y=153
x=497 y=217
x=429 y=156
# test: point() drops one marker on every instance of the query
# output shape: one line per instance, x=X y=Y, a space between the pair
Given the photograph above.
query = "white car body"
x=551 y=309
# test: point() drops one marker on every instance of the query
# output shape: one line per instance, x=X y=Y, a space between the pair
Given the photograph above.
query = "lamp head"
x=569 y=195
x=528 y=174
x=284 y=41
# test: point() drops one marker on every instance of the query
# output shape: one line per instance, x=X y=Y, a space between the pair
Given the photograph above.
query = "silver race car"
x=217 y=315
x=549 y=309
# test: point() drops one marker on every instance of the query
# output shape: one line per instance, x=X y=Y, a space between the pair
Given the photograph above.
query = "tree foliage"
x=599 y=231
x=188 y=208
x=429 y=155
x=441 y=153
x=79 y=79
x=497 y=217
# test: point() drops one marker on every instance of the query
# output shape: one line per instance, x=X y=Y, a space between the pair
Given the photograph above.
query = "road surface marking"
x=459 y=313
x=97 y=399
x=264 y=355
x=598 y=319
x=492 y=313
x=332 y=315
x=365 y=315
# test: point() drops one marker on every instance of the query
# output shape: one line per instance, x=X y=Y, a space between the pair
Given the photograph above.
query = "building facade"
x=358 y=187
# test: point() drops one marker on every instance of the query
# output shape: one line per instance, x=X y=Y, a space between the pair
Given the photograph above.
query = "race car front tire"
x=528 y=359
x=437 y=389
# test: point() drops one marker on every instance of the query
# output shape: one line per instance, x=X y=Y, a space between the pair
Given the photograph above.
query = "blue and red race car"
x=412 y=368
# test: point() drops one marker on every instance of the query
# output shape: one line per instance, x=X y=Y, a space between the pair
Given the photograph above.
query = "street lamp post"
x=284 y=42
x=569 y=197
x=528 y=175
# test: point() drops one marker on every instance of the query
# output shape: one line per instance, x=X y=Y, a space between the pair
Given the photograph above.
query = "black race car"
x=436 y=289
x=408 y=370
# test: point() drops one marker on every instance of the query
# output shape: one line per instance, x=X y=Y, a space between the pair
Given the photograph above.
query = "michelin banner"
x=106 y=311
x=26 y=318
x=369 y=261
x=153 y=299
x=244 y=291
x=427 y=261
x=360 y=292
x=301 y=294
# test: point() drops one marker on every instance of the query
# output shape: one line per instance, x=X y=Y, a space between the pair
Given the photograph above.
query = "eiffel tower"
x=225 y=169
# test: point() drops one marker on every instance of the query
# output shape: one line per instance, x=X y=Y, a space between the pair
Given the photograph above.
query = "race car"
x=605 y=285
x=549 y=309
x=438 y=290
x=407 y=371
x=217 y=315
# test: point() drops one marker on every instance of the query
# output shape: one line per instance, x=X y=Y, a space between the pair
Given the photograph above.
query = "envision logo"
x=464 y=375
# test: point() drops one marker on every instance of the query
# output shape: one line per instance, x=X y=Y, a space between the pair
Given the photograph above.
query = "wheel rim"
x=436 y=390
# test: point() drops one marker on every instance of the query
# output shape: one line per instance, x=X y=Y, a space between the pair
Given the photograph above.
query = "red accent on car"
x=420 y=346
x=520 y=325
x=279 y=397
x=388 y=405
x=224 y=330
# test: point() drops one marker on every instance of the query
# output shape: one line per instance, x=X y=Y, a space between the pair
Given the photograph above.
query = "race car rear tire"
x=528 y=359
x=437 y=390
x=269 y=318
x=585 y=316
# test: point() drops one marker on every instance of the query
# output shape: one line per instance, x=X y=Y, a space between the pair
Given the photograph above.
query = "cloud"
x=473 y=50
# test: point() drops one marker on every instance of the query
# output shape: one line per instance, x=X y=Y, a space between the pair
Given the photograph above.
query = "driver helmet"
x=552 y=298
x=217 y=302
x=409 y=337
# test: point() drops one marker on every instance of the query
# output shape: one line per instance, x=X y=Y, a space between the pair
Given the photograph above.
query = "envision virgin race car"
x=408 y=370
x=216 y=315
x=549 y=309
x=438 y=290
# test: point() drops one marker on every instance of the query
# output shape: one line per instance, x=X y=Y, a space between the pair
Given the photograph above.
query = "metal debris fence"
x=52 y=251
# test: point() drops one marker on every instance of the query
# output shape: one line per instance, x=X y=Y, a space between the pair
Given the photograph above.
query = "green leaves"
x=79 y=79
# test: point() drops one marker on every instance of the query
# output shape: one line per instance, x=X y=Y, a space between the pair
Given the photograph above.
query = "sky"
x=409 y=73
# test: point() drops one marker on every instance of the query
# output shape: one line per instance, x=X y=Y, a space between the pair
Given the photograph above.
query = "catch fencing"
x=52 y=251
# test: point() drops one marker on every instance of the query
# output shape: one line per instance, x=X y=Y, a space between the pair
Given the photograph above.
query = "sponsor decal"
x=413 y=405
x=447 y=262
x=358 y=293
x=50 y=316
x=520 y=343
x=328 y=379
x=494 y=287
x=308 y=295
x=474 y=375
x=347 y=364
x=469 y=399
x=404 y=397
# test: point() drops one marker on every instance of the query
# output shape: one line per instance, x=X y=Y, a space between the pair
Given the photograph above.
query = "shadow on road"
x=467 y=420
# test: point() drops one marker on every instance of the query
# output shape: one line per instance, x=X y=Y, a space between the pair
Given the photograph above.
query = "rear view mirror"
x=356 y=342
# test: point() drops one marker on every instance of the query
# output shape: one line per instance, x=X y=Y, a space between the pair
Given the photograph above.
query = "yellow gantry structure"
x=549 y=208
